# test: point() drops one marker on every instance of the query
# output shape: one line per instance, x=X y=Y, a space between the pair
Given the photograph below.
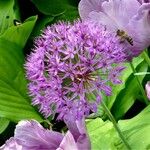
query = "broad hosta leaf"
x=14 y=101
x=136 y=130
x=102 y=134
x=8 y=12
x=3 y=124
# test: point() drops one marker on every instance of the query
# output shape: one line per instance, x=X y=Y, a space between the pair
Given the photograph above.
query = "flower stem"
x=140 y=85
x=146 y=57
x=115 y=125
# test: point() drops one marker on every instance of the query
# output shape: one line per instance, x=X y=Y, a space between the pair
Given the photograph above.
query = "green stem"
x=140 y=85
x=146 y=57
x=115 y=125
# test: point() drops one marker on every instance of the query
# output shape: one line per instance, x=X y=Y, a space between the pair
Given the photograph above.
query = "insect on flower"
x=120 y=14
x=124 y=37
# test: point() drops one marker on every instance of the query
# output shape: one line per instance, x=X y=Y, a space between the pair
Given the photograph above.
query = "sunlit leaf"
x=136 y=131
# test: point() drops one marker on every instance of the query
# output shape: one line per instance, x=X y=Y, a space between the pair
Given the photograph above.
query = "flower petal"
x=78 y=130
x=147 y=88
x=11 y=144
x=144 y=1
x=68 y=143
x=87 y=6
x=103 y=19
x=33 y=136
x=121 y=11
x=112 y=13
x=139 y=29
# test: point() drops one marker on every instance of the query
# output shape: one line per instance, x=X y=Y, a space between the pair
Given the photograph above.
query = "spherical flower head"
x=70 y=68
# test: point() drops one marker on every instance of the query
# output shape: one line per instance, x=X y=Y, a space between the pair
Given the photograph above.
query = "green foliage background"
x=15 y=104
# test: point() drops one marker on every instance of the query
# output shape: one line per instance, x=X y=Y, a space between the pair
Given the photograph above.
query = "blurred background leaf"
x=54 y=7
x=9 y=11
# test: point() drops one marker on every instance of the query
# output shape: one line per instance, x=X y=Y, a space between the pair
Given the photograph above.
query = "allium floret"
x=71 y=66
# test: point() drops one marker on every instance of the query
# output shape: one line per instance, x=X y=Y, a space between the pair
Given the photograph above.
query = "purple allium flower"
x=30 y=135
x=71 y=66
x=147 y=88
x=129 y=19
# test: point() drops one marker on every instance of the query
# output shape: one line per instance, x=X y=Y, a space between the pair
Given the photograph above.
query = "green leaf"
x=103 y=136
x=117 y=98
x=126 y=74
x=70 y=14
x=14 y=101
x=62 y=10
x=3 y=124
x=51 y=7
x=8 y=12
x=137 y=130
x=126 y=98
x=41 y=24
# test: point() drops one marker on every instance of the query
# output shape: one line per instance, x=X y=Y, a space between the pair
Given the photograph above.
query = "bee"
x=124 y=37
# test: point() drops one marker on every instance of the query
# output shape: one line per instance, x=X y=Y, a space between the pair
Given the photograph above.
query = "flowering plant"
x=75 y=75
x=30 y=135
x=71 y=62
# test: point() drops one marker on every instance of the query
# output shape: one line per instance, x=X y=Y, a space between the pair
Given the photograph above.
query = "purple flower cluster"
x=71 y=67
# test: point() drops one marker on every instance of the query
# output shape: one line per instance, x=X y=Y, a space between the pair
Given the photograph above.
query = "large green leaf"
x=126 y=98
x=3 y=124
x=102 y=134
x=136 y=130
x=8 y=12
x=14 y=101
